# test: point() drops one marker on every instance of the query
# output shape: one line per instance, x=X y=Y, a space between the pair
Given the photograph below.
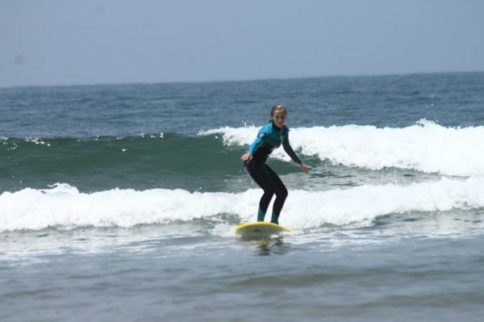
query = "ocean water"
x=117 y=202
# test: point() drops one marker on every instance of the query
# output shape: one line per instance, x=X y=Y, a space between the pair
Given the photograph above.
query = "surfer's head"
x=278 y=115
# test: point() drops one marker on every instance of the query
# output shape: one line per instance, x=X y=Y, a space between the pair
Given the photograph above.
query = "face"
x=279 y=118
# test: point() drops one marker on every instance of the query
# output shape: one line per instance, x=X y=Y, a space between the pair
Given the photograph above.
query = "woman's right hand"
x=246 y=156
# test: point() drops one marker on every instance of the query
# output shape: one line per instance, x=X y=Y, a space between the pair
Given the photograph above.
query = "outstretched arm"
x=287 y=147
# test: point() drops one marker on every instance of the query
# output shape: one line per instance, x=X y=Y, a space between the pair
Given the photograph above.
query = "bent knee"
x=270 y=191
x=282 y=193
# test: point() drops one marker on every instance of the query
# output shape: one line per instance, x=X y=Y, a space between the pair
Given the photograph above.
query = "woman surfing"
x=269 y=137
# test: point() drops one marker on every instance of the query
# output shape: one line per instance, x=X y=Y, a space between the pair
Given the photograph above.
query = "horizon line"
x=241 y=79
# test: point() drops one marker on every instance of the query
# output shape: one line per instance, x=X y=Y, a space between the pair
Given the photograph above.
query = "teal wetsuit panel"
x=268 y=138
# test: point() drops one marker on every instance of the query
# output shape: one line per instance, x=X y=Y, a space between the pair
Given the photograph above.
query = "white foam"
x=64 y=206
x=425 y=146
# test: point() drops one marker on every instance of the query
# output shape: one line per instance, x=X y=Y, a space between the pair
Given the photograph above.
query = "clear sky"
x=104 y=41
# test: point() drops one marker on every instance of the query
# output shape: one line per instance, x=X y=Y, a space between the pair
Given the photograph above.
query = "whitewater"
x=425 y=146
x=64 y=207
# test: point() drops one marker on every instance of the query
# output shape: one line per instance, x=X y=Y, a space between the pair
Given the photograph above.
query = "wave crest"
x=425 y=146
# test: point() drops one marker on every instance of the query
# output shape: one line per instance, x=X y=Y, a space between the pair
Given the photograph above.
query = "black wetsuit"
x=268 y=138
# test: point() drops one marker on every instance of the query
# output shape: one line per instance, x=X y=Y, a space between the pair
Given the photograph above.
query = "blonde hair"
x=278 y=107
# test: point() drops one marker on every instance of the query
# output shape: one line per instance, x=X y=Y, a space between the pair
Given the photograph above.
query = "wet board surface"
x=259 y=230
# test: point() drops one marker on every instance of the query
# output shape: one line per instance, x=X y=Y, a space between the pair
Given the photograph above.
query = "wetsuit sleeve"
x=257 y=142
x=287 y=147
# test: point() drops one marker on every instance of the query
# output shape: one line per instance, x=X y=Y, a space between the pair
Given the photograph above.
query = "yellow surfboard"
x=259 y=230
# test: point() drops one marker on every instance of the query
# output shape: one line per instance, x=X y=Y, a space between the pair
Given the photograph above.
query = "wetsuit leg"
x=262 y=177
x=281 y=194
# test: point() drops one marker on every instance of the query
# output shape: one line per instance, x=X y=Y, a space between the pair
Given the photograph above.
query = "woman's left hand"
x=304 y=167
x=246 y=156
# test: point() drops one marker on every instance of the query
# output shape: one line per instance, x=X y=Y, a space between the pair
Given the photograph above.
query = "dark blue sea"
x=118 y=202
